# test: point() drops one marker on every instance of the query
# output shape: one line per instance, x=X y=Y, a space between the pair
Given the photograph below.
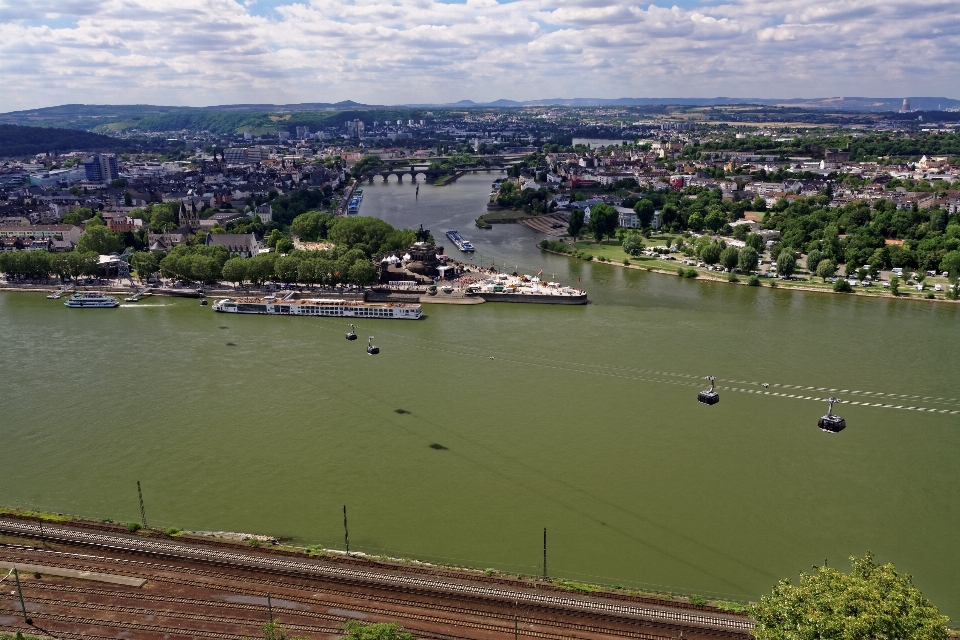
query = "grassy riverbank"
x=611 y=252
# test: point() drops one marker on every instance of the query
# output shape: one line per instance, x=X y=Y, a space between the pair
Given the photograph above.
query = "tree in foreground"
x=356 y=630
x=273 y=631
x=872 y=602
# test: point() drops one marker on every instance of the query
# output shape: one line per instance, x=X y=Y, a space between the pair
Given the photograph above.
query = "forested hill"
x=22 y=141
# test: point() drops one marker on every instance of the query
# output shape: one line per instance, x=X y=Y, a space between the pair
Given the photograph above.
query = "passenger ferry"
x=462 y=244
x=91 y=301
x=269 y=305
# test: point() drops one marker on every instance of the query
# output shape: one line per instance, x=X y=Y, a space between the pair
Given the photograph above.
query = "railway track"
x=316 y=569
x=506 y=619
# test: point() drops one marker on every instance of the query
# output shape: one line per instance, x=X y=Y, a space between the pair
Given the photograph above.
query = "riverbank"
x=675 y=268
x=286 y=548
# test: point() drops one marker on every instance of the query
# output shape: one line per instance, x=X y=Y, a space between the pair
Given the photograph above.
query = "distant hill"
x=23 y=141
x=835 y=104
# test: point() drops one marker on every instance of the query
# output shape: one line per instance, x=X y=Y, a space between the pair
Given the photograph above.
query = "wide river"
x=582 y=420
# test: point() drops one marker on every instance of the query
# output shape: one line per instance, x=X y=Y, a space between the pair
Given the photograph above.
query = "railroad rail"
x=316 y=569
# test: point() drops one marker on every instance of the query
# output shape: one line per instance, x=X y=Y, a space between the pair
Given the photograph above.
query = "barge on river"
x=320 y=307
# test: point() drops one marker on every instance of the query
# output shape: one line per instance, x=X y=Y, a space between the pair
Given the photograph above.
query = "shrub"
x=133 y=526
x=733 y=277
x=773 y=284
x=842 y=286
x=681 y=272
x=690 y=273
x=254 y=542
x=173 y=531
x=626 y=261
x=754 y=281
x=698 y=601
x=588 y=257
x=930 y=296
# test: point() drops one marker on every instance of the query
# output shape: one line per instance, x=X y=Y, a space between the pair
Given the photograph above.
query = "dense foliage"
x=288 y=207
x=39 y=265
x=872 y=602
x=860 y=147
x=22 y=141
x=529 y=200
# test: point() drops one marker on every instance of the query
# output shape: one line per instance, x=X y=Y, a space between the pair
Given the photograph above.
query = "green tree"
x=871 y=602
x=813 y=260
x=77 y=216
x=260 y=268
x=730 y=258
x=362 y=273
x=895 y=285
x=575 y=223
x=747 y=260
x=100 y=240
x=83 y=264
x=357 y=630
x=695 y=221
x=711 y=253
x=286 y=268
x=951 y=264
x=754 y=240
x=603 y=221
x=786 y=262
x=311 y=226
x=163 y=216
x=235 y=270
x=633 y=243
x=644 y=210
x=842 y=286
x=826 y=269
x=145 y=263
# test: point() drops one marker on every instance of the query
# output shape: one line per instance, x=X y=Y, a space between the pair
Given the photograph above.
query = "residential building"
x=102 y=168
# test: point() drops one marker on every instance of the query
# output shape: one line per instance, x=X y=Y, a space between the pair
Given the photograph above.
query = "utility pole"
x=23 y=607
x=270 y=607
x=143 y=514
x=346 y=532
x=544 y=553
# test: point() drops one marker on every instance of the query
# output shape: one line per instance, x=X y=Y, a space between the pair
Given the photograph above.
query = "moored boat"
x=315 y=307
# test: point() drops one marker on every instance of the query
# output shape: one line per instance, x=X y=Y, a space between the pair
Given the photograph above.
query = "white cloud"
x=394 y=51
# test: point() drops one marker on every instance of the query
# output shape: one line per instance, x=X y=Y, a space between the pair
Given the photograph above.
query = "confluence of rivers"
x=582 y=420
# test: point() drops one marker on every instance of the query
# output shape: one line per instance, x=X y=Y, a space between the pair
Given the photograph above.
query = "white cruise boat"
x=91 y=301
x=270 y=305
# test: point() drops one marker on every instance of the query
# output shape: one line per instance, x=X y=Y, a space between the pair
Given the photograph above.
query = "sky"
x=208 y=52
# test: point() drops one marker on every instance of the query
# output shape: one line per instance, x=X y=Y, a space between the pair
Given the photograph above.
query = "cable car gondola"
x=830 y=422
x=371 y=348
x=710 y=396
x=351 y=335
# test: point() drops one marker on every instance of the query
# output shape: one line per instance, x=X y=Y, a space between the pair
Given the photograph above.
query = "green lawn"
x=612 y=251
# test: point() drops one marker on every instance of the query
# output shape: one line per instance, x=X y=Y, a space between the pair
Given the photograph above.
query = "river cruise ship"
x=91 y=301
x=270 y=305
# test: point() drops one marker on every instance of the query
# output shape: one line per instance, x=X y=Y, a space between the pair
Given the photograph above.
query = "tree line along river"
x=582 y=420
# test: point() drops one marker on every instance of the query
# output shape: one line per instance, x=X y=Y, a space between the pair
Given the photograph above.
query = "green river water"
x=582 y=420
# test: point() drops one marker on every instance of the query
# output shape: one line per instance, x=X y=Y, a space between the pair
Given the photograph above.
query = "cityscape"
x=215 y=428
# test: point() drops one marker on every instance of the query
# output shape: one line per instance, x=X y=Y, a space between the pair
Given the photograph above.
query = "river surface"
x=582 y=420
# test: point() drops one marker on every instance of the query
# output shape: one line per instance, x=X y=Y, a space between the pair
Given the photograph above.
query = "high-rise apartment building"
x=102 y=168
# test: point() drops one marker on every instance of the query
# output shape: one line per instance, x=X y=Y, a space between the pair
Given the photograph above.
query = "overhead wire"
x=682 y=379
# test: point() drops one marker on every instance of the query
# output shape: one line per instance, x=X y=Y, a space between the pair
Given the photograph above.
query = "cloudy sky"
x=203 y=52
